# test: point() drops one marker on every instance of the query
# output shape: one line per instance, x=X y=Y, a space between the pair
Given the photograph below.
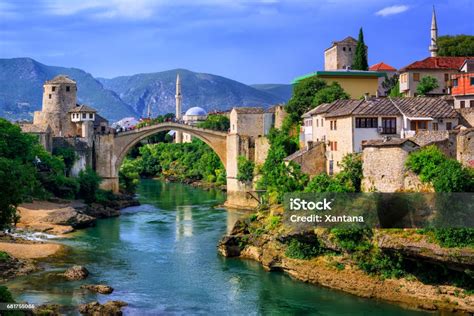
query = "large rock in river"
x=76 y=273
x=111 y=308
x=71 y=217
x=98 y=288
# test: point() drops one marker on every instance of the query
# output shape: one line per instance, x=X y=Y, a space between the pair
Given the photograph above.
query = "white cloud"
x=395 y=9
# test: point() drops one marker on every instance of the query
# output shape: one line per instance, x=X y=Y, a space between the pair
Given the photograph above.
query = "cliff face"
x=331 y=264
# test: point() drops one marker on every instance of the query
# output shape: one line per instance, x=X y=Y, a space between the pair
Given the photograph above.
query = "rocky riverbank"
x=42 y=221
x=396 y=266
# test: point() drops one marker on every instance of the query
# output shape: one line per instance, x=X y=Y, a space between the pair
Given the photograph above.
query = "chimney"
x=366 y=96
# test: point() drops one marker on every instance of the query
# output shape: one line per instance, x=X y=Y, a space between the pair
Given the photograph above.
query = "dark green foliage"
x=360 y=57
x=187 y=161
x=395 y=91
x=457 y=45
x=4 y=256
x=309 y=93
x=329 y=94
x=104 y=197
x=348 y=180
x=88 y=185
x=5 y=295
x=353 y=239
x=454 y=237
x=303 y=250
x=68 y=156
x=277 y=177
x=379 y=263
x=390 y=83
x=245 y=169
x=446 y=175
x=426 y=85
x=216 y=122
x=129 y=175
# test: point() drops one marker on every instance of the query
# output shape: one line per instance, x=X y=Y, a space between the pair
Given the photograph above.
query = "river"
x=161 y=258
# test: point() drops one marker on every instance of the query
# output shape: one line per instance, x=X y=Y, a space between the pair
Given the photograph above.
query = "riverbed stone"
x=71 y=217
x=111 y=308
x=76 y=273
x=98 y=288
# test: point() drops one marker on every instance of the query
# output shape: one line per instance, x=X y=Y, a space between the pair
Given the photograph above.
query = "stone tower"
x=179 y=99
x=434 y=35
x=341 y=54
x=59 y=97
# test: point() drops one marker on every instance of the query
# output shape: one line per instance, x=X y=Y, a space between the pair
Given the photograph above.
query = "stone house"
x=441 y=68
x=463 y=86
x=344 y=125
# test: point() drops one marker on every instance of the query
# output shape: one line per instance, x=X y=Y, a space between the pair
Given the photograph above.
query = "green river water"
x=161 y=258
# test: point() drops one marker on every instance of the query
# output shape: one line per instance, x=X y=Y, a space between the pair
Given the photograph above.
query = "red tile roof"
x=437 y=63
x=382 y=67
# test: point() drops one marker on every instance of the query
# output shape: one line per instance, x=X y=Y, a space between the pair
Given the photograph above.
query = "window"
x=68 y=88
x=317 y=123
x=416 y=76
x=455 y=82
x=322 y=122
x=49 y=96
x=84 y=115
x=462 y=104
x=418 y=125
x=335 y=146
x=389 y=125
x=366 y=122
x=472 y=81
x=446 y=77
x=350 y=49
x=449 y=126
x=330 y=125
x=344 y=49
x=335 y=126
x=53 y=89
x=471 y=104
x=435 y=126
x=91 y=115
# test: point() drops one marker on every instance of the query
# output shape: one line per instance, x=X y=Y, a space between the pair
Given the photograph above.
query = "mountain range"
x=21 y=81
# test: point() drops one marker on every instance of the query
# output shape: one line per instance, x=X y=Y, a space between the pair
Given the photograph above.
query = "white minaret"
x=179 y=99
x=434 y=35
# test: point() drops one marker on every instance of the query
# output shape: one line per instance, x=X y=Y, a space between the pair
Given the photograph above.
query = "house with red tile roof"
x=389 y=72
x=463 y=86
x=441 y=68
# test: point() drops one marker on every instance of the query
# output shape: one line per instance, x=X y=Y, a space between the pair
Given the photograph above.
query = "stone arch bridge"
x=110 y=150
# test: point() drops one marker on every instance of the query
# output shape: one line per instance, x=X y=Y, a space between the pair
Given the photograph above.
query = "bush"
x=384 y=265
x=245 y=169
x=88 y=185
x=216 y=122
x=4 y=256
x=446 y=175
x=68 y=156
x=454 y=237
x=272 y=222
x=353 y=239
x=129 y=176
x=302 y=250
x=5 y=295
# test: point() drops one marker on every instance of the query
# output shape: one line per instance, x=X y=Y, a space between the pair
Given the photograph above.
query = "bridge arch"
x=125 y=141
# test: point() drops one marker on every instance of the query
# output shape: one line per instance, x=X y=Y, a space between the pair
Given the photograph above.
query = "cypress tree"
x=360 y=59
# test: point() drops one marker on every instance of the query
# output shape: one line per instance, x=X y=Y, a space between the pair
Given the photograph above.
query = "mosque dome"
x=196 y=111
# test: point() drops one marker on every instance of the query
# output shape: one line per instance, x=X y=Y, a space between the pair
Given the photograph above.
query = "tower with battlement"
x=59 y=97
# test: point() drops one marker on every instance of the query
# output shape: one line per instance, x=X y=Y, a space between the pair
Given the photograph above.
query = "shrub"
x=384 y=265
x=354 y=239
x=68 y=156
x=4 y=256
x=272 y=222
x=129 y=176
x=302 y=250
x=88 y=185
x=245 y=169
x=455 y=237
x=5 y=295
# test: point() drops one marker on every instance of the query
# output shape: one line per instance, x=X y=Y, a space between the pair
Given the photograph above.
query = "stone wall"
x=262 y=146
x=444 y=140
x=83 y=151
x=465 y=148
x=280 y=115
x=312 y=159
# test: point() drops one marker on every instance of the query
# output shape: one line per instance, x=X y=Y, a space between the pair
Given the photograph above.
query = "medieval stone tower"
x=340 y=55
x=59 y=97
x=434 y=35
x=179 y=99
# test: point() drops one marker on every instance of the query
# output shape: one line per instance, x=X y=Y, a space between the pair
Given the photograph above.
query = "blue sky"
x=252 y=41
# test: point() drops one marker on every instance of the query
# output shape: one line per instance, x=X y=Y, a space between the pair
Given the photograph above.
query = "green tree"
x=88 y=185
x=458 y=45
x=426 y=85
x=245 y=169
x=303 y=97
x=68 y=156
x=129 y=176
x=329 y=94
x=216 y=122
x=395 y=91
x=360 y=58
x=389 y=83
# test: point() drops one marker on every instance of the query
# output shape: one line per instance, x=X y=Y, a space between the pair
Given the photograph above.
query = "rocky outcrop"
x=71 y=217
x=76 y=273
x=98 y=288
x=111 y=308
x=342 y=273
x=48 y=309
x=11 y=267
